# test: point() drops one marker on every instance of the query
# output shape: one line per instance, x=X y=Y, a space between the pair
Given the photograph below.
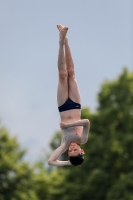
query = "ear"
x=82 y=151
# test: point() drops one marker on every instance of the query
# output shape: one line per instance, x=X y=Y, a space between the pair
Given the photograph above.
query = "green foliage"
x=42 y=181
x=107 y=172
x=20 y=181
x=15 y=175
x=122 y=189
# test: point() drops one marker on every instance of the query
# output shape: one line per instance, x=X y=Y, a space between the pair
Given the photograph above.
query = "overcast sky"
x=101 y=39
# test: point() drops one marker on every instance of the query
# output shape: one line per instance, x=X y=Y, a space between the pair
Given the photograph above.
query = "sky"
x=101 y=40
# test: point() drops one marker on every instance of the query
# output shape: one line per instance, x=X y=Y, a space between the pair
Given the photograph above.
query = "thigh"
x=74 y=93
x=62 y=92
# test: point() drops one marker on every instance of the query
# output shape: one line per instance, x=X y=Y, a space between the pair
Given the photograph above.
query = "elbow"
x=87 y=122
x=49 y=162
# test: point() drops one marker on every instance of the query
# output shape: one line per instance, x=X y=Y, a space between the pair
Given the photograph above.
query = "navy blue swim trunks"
x=69 y=105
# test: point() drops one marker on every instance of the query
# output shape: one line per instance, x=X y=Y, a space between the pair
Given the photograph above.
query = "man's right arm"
x=53 y=160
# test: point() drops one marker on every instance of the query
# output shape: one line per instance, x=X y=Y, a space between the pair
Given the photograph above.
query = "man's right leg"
x=62 y=92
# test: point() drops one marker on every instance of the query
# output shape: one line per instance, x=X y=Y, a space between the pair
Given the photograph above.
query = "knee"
x=63 y=75
x=71 y=74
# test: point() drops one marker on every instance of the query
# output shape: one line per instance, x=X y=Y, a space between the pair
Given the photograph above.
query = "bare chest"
x=72 y=134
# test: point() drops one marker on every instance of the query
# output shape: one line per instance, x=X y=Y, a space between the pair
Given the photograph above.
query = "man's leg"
x=73 y=89
x=62 y=92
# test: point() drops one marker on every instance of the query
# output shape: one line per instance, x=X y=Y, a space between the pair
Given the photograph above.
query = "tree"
x=19 y=180
x=107 y=170
x=15 y=174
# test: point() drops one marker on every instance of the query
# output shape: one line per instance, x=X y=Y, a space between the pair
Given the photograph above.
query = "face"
x=74 y=149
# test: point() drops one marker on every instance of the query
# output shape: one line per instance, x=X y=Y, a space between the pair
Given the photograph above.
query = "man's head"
x=76 y=154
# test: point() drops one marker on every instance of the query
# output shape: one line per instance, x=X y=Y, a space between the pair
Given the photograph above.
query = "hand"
x=63 y=125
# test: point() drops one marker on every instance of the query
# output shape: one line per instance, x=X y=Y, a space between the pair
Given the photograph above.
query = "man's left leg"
x=73 y=90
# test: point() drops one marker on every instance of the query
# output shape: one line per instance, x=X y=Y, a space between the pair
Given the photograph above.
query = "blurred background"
x=101 y=39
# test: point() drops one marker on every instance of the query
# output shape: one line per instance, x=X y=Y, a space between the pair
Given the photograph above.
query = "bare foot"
x=63 y=31
x=59 y=26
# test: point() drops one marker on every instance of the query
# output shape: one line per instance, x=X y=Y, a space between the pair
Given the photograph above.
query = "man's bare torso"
x=72 y=134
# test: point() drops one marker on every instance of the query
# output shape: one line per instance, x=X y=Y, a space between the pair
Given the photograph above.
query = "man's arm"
x=85 y=132
x=81 y=122
x=56 y=154
x=86 y=127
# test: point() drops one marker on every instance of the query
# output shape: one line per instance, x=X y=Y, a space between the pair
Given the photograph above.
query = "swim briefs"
x=69 y=105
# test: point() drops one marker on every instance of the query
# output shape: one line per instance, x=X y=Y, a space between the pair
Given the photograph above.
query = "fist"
x=63 y=125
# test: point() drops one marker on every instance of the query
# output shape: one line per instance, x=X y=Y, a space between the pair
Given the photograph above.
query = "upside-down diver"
x=74 y=130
